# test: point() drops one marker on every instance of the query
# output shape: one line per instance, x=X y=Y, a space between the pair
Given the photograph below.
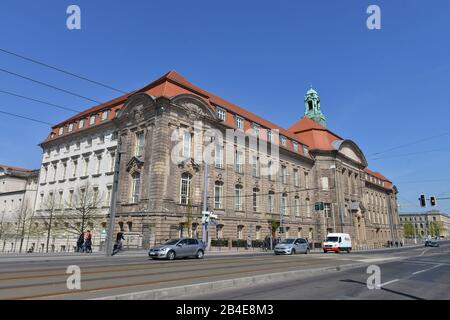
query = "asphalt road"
x=45 y=278
x=423 y=275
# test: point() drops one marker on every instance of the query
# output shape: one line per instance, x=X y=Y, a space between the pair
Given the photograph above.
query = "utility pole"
x=205 y=201
x=112 y=207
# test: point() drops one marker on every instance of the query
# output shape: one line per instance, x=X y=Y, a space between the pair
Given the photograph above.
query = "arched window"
x=185 y=187
x=135 y=187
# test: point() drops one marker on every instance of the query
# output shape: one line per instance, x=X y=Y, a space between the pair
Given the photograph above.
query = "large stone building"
x=261 y=176
x=17 y=197
x=423 y=224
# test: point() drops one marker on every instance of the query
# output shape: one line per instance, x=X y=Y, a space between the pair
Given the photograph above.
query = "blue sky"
x=382 y=88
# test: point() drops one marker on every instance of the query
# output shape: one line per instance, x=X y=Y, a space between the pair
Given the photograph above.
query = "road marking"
x=386 y=283
x=423 y=252
x=425 y=270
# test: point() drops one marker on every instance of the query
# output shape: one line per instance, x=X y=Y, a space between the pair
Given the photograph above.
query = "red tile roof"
x=15 y=168
x=172 y=84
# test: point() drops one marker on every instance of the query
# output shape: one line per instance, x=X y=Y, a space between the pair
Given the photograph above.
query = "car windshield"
x=288 y=241
x=332 y=239
x=172 y=242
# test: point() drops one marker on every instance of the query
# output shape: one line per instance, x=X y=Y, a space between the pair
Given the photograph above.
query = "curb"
x=209 y=287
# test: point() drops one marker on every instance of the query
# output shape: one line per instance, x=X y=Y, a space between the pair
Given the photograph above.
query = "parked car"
x=337 y=242
x=292 y=246
x=178 y=248
x=431 y=243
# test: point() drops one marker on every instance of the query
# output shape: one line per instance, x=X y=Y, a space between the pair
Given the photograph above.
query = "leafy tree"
x=408 y=230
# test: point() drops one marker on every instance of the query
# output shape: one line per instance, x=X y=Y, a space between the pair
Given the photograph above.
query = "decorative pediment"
x=194 y=106
x=219 y=177
x=134 y=165
x=189 y=165
x=350 y=150
x=135 y=107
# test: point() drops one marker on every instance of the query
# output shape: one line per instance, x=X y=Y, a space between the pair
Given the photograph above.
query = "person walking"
x=88 y=242
x=80 y=242
x=118 y=246
x=249 y=243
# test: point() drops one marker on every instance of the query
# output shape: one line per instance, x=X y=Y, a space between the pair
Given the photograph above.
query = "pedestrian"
x=249 y=243
x=88 y=242
x=396 y=243
x=80 y=242
x=118 y=246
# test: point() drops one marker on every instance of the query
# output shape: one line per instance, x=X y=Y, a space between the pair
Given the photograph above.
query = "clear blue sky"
x=379 y=88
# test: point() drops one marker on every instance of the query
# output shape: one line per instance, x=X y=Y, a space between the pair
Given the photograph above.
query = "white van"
x=337 y=242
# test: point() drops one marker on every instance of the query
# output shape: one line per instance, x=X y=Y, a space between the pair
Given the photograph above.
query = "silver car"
x=178 y=248
x=292 y=246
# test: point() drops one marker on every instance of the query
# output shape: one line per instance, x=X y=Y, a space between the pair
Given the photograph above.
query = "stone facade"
x=161 y=177
x=422 y=223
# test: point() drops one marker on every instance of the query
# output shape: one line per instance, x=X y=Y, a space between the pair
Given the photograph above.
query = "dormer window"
x=283 y=140
x=256 y=128
x=61 y=131
x=71 y=127
x=310 y=105
x=81 y=124
x=270 y=135
x=92 y=120
x=239 y=122
x=221 y=113
x=295 y=146
x=105 y=115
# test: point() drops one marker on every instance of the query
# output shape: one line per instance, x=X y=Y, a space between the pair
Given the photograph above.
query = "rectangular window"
x=75 y=168
x=64 y=171
x=305 y=150
x=55 y=171
x=218 y=189
x=187 y=144
x=112 y=162
x=270 y=170
x=295 y=146
x=61 y=130
x=239 y=162
x=86 y=166
x=255 y=200
x=92 y=120
x=296 y=178
x=101 y=139
x=284 y=204
x=105 y=115
x=255 y=166
x=218 y=159
x=324 y=182
x=327 y=210
x=99 y=164
x=108 y=196
x=308 y=208
x=140 y=139
x=297 y=206
x=284 y=174
x=269 y=135
x=271 y=202
x=221 y=113
x=256 y=129
x=60 y=200
x=71 y=127
x=70 y=198
x=306 y=180
x=81 y=124
x=185 y=188
x=283 y=141
x=239 y=122
x=238 y=198
x=135 y=186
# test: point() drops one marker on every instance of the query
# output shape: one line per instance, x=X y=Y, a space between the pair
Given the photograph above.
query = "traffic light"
x=433 y=201
x=423 y=201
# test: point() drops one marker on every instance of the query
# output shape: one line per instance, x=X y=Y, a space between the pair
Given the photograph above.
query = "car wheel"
x=292 y=251
x=200 y=254
x=325 y=251
x=338 y=251
x=171 y=255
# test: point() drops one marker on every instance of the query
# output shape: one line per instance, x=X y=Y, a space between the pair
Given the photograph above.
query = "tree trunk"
x=49 y=230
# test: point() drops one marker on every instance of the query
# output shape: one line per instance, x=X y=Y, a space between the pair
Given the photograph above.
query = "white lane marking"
x=425 y=270
x=386 y=283
x=423 y=252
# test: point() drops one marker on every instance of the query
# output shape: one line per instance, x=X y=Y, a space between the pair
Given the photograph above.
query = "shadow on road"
x=387 y=290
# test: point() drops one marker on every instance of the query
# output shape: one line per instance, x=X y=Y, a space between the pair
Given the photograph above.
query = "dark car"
x=178 y=248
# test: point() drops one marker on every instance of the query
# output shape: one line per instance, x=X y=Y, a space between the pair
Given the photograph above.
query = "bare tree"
x=22 y=219
x=48 y=215
x=82 y=209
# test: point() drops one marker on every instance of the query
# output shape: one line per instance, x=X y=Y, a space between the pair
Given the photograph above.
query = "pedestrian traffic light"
x=433 y=201
x=423 y=201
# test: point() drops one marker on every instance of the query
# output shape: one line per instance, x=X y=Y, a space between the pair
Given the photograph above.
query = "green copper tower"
x=312 y=107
